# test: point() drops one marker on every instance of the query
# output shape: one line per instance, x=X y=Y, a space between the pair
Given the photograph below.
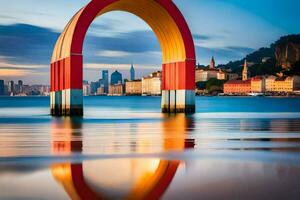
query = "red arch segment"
x=179 y=75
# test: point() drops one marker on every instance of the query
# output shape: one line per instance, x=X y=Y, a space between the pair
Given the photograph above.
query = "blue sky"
x=225 y=29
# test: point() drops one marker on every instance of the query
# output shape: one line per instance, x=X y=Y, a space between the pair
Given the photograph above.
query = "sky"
x=225 y=29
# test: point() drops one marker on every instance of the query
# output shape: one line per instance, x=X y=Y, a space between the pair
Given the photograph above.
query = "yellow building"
x=282 y=84
x=151 y=85
x=258 y=84
x=116 y=90
x=133 y=87
x=221 y=75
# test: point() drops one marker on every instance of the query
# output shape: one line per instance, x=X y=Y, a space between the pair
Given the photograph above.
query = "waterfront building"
x=258 y=84
x=221 y=75
x=27 y=90
x=2 y=88
x=116 y=78
x=237 y=87
x=203 y=75
x=282 y=84
x=20 y=86
x=133 y=87
x=86 y=90
x=116 y=90
x=101 y=91
x=44 y=90
x=151 y=85
x=11 y=87
x=105 y=81
x=95 y=86
x=132 y=73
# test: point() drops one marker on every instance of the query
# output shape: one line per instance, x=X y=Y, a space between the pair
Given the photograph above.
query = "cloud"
x=201 y=37
x=28 y=48
x=99 y=66
x=222 y=55
x=113 y=54
x=13 y=72
x=23 y=43
x=27 y=44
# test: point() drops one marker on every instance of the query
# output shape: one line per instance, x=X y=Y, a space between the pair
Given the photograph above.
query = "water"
x=124 y=148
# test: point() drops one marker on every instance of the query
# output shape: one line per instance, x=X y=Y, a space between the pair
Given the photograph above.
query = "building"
x=237 y=87
x=221 y=75
x=151 y=85
x=20 y=87
x=258 y=84
x=133 y=87
x=101 y=91
x=86 y=88
x=282 y=84
x=105 y=81
x=95 y=86
x=116 y=78
x=132 y=73
x=2 y=88
x=44 y=90
x=116 y=90
x=11 y=87
x=203 y=75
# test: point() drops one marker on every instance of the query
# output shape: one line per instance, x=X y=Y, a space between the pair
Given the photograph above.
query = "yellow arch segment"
x=63 y=174
x=163 y=25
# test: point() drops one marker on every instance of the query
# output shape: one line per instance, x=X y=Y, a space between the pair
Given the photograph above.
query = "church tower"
x=245 y=71
x=212 y=63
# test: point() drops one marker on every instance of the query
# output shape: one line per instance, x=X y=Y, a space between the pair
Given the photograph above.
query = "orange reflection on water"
x=127 y=178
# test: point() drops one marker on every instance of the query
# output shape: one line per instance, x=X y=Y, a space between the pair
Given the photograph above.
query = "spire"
x=245 y=71
x=212 y=63
x=132 y=72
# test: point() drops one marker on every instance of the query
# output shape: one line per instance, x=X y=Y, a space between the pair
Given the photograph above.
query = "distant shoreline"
x=283 y=96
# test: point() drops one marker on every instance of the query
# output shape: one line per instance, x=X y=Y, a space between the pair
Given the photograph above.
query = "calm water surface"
x=124 y=148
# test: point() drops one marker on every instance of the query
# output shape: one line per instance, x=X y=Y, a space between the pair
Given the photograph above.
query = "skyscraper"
x=94 y=87
x=116 y=78
x=2 y=89
x=11 y=87
x=20 y=86
x=132 y=73
x=105 y=80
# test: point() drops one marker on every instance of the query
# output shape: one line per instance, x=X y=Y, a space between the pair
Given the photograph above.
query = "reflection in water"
x=119 y=178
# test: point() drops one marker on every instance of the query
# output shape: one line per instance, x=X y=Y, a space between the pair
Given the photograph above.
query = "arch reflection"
x=128 y=178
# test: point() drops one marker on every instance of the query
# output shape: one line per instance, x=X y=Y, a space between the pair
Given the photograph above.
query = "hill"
x=283 y=55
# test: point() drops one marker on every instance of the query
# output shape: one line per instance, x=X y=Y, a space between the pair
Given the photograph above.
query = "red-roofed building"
x=237 y=87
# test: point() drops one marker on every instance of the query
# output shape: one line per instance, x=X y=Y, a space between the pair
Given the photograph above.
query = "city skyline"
x=112 y=44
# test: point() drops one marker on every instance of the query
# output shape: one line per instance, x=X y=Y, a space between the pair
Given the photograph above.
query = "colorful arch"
x=172 y=31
